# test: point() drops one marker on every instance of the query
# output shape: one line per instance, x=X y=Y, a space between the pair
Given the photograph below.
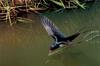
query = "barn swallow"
x=59 y=38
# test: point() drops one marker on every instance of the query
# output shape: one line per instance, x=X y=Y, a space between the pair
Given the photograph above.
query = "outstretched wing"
x=51 y=28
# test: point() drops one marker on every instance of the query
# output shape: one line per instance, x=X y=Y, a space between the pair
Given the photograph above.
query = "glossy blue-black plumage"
x=58 y=36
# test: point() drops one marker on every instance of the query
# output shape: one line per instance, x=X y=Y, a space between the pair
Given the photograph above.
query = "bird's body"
x=58 y=36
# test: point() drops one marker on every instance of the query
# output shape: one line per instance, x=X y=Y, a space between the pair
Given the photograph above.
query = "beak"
x=50 y=51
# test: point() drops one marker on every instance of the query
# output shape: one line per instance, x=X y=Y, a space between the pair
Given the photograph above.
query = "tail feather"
x=72 y=37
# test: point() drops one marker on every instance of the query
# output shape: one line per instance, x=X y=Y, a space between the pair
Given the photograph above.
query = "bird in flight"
x=59 y=38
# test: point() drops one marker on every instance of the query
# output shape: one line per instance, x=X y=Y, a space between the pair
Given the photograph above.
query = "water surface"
x=26 y=44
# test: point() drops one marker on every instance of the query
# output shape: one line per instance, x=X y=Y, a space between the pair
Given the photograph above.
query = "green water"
x=26 y=44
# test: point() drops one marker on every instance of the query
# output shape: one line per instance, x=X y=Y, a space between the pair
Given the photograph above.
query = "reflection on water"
x=26 y=44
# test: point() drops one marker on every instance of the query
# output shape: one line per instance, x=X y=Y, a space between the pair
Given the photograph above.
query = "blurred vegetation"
x=9 y=9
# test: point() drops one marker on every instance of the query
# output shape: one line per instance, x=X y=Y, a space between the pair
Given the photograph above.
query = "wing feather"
x=50 y=27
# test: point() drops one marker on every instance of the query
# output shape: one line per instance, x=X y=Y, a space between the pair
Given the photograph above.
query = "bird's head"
x=55 y=46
